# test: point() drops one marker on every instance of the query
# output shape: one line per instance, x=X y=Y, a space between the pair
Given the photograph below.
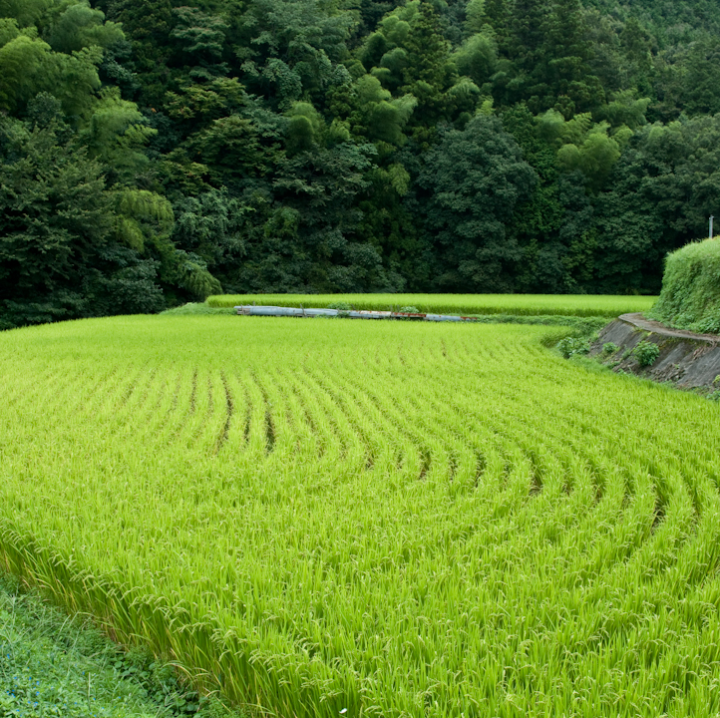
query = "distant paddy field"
x=560 y=304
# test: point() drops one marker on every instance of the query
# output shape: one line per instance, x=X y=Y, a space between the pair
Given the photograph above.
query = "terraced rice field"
x=583 y=305
x=394 y=519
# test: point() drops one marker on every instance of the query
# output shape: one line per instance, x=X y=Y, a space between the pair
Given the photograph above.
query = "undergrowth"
x=646 y=353
x=51 y=665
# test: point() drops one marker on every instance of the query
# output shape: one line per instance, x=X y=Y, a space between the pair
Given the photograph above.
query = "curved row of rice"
x=396 y=520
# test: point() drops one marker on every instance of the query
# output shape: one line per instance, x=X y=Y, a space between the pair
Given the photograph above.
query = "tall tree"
x=474 y=180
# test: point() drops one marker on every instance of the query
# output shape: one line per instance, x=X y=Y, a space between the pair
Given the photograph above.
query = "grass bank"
x=52 y=665
x=690 y=296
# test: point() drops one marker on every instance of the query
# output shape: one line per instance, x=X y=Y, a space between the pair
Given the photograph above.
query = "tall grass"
x=393 y=519
x=54 y=666
x=568 y=304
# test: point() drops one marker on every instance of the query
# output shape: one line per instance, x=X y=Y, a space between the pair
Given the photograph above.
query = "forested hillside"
x=153 y=152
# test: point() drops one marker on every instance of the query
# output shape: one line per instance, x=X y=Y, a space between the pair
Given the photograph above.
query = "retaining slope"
x=689 y=360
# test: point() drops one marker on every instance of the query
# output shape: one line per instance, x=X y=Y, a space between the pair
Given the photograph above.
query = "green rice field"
x=568 y=304
x=350 y=518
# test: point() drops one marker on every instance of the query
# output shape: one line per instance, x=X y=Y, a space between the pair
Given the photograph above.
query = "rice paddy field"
x=321 y=518
x=559 y=304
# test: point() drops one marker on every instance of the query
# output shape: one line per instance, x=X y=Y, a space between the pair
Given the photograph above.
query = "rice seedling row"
x=393 y=519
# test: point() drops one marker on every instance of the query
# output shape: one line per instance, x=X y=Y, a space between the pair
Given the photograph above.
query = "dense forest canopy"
x=153 y=151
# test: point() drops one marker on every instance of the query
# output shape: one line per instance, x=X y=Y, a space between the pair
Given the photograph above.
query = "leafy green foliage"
x=53 y=665
x=646 y=353
x=475 y=179
x=690 y=296
x=610 y=348
x=58 y=259
x=344 y=306
x=664 y=187
x=78 y=26
x=477 y=58
x=571 y=346
x=303 y=146
x=80 y=237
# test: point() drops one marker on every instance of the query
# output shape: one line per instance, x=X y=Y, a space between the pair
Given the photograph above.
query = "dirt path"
x=639 y=321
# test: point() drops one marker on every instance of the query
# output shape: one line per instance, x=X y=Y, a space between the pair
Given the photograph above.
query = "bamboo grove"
x=386 y=519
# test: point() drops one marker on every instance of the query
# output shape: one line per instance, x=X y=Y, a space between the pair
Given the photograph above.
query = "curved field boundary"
x=386 y=519
x=650 y=325
x=522 y=304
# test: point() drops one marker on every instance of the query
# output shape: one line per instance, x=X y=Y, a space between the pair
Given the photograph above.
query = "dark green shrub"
x=646 y=353
x=570 y=346
x=610 y=348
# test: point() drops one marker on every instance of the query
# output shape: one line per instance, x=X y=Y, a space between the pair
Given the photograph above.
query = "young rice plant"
x=379 y=518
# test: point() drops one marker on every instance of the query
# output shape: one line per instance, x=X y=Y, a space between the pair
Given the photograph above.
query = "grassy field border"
x=52 y=663
x=587 y=305
x=550 y=320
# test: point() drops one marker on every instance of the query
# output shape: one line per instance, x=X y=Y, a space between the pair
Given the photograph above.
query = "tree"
x=80 y=26
x=662 y=191
x=474 y=181
x=477 y=58
x=58 y=258
x=702 y=79
x=293 y=47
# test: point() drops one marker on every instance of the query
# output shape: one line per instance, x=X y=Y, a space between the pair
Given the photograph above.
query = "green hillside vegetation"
x=690 y=296
x=323 y=518
x=153 y=153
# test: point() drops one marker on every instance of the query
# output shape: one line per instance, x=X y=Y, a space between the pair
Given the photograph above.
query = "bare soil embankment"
x=689 y=360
